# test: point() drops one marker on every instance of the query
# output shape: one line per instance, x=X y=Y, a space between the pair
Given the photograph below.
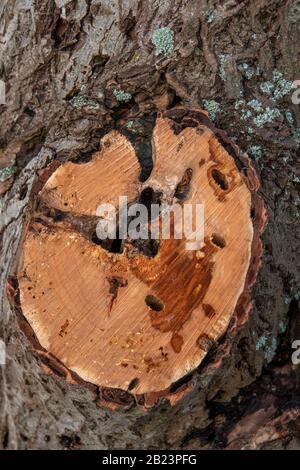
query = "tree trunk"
x=74 y=71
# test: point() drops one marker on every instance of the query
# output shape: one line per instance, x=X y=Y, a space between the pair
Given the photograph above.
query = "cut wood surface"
x=81 y=188
x=141 y=317
x=66 y=72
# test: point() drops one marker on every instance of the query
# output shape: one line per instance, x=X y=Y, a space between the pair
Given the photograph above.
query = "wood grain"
x=126 y=320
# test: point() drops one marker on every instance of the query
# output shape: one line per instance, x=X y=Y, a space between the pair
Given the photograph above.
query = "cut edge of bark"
x=117 y=398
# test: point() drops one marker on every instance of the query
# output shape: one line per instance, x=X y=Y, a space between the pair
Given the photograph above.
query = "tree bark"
x=74 y=71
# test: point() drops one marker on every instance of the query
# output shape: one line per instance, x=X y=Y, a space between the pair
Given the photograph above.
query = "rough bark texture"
x=61 y=67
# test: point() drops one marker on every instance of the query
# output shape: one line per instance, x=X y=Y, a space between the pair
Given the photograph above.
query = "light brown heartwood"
x=141 y=317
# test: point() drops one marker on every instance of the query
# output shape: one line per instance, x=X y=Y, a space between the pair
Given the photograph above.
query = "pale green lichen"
x=269 y=349
x=277 y=75
x=286 y=158
x=268 y=116
x=284 y=87
x=224 y=58
x=130 y=125
x=239 y=104
x=211 y=15
x=163 y=40
x=255 y=105
x=212 y=107
x=122 y=95
x=6 y=173
x=261 y=342
x=289 y=117
x=266 y=88
x=282 y=326
x=256 y=151
x=82 y=101
x=254 y=109
x=278 y=87
x=249 y=71
x=245 y=115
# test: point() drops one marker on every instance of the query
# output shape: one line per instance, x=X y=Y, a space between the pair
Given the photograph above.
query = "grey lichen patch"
x=282 y=86
x=254 y=110
x=282 y=327
x=270 y=350
x=289 y=117
x=266 y=88
x=241 y=106
x=211 y=16
x=6 y=173
x=249 y=71
x=261 y=342
x=296 y=179
x=122 y=95
x=277 y=87
x=223 y=58
x=269 y=347
x=212 y=107
x=255 y=105
x=268 y=116
x=246 y=115
x=255 y=151
x=163 y=40
x=257 y=113
x=130 y=126
x=82 y=101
